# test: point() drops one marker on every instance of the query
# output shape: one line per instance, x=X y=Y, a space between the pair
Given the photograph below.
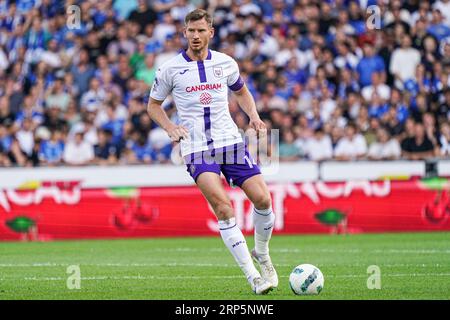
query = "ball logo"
x=205 y=98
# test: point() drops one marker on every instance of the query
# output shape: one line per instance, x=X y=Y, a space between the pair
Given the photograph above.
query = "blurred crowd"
x=340 y=79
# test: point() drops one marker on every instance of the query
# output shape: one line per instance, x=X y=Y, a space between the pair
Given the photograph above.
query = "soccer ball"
x=306 y=279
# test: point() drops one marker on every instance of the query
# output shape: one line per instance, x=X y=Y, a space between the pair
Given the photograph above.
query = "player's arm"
x=247 y=103
x=157 y=114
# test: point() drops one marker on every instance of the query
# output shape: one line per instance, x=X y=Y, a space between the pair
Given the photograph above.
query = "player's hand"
x=178 y=133
x=259 y=126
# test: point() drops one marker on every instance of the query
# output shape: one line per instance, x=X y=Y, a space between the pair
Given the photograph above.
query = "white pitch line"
x=176 y=264
x=139 y=277
x=307 y=251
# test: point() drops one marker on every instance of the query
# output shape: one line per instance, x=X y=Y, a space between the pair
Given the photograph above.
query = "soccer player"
x=198 y=79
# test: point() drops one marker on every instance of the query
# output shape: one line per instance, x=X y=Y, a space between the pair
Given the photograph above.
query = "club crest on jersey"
x=218 y=73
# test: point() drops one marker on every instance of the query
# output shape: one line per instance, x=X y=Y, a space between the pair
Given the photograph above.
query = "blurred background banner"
x=46 y=210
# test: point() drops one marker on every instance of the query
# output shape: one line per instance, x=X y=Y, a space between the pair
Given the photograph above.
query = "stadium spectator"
x=417 y=147
x=347 y=84
x=181 y=9
x=442 y=112
x=385 y=147
x=164 y=29
x=430 y=52
x=444 y=7
x=95 y=95
x=29 y=110
x=25 y=137
x=404 y=61
x=56 y=96
x=138 y=149
x=377 y=87
x=3 y=159
x=429 y=123
x=33 y=158
x=53 y=119
x=397 y=103
x=397 y=16
x=289 y=150
x=370 y=63
x=105 y=151
x=51 y=150
x=393 y=125
x=444 y=140
x=78 y=152
x=122 y=45
x=5 y=139
x=71 y=116
x=318 y=147
x=82 y=72
x=143 y=15
x=147 y=71
x=93 y=46
x=352 y=146
x=124 y=8
x=6 y=116
x=437 y=27
x=160 y=144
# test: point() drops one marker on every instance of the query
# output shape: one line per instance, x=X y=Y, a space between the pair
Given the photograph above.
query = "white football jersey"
x=200 y=93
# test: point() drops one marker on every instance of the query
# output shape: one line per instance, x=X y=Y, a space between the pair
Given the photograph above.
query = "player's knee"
x=223 y=211
x=262 y=201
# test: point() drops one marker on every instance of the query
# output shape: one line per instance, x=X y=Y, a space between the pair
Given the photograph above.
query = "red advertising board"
x=63 y=210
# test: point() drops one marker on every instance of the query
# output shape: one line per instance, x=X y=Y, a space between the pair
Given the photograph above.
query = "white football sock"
x=235 y=241
x=263 y=220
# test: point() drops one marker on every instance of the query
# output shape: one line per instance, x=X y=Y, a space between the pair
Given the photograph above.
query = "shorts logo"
x=218 y=73
x=205 y=98
x=192 y=169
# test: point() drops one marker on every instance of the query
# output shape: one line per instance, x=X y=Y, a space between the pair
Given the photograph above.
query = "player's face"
x=198 y=34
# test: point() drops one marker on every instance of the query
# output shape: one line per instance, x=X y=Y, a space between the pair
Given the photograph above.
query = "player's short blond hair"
x=199 y=14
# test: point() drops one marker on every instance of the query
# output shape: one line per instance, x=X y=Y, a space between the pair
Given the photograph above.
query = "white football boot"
x=268 y=272
x=261 y=286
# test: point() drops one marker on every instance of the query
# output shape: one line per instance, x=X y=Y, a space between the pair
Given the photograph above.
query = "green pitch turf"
x=413 y=266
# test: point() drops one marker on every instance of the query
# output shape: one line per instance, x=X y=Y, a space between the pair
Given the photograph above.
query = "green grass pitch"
x=413 y=266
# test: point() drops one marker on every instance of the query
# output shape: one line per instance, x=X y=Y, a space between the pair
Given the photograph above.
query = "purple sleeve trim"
x=237 y=85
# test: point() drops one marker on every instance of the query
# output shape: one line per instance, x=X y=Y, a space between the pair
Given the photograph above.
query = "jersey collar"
x=186 y=57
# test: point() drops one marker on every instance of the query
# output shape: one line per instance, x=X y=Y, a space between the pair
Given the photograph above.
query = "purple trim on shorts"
x=185 y=56
x=237 y=85
x=201 y=71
